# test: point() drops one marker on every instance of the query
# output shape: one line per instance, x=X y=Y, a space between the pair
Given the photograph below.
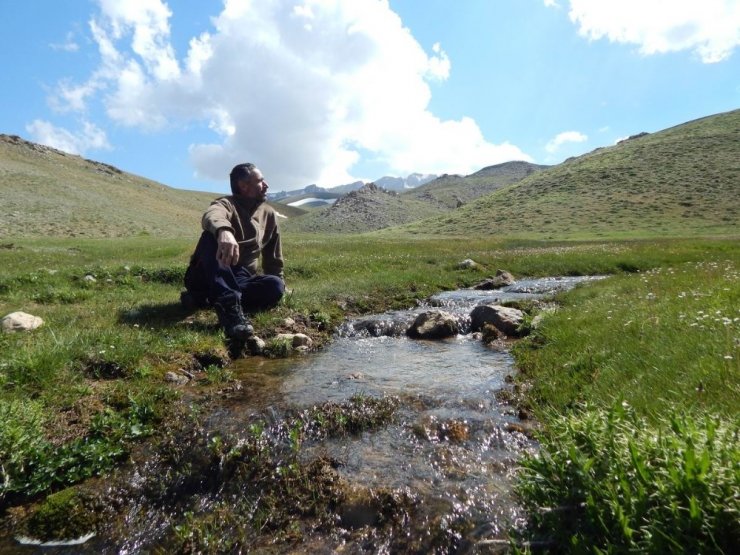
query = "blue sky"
x=328 y=92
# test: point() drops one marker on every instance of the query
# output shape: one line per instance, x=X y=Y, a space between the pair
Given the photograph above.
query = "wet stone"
x=256 y=345
x=434 y=324
x=503 y=318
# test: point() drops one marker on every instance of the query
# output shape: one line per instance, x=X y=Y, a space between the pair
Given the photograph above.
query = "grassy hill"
x=683 y=181
x=451 y=191
x=49 y=193
x=366 y=209
x=372 y=207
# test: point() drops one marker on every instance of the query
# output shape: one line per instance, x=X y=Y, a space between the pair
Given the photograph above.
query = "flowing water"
x=450 y=450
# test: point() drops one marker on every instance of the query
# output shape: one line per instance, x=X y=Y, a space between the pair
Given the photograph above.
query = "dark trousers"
x=255 y=292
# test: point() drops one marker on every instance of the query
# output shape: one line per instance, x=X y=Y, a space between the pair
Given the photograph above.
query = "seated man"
x=237 y=230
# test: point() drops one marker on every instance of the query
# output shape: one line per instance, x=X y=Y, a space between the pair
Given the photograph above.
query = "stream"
x=437 y=477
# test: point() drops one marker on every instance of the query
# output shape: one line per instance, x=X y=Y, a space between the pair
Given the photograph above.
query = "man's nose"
x=265 y=185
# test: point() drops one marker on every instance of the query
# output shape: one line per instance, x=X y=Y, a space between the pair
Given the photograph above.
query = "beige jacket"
x=254 y=224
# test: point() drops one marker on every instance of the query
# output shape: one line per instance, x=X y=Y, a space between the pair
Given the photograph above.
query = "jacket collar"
x=250 y=204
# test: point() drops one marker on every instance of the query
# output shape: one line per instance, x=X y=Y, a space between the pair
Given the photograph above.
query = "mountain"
x=49 y=193
x=366 y=209
x=348 y=188
x=375 y=207
x=403 y=183
x=387 y=182
x=452 y=191
x=680 y=181
x=309 y=200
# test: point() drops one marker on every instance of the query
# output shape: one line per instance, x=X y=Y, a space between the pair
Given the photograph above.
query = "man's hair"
x=239 y=173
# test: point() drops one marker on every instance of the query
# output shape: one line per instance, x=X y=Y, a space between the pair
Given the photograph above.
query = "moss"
x=63 y=515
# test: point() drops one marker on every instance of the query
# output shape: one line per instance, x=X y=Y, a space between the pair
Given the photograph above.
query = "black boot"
x=192 y=301
x=232 y=319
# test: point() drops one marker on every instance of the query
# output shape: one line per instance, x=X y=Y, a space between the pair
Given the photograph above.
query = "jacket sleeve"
x=272 y=252
x=218 y=216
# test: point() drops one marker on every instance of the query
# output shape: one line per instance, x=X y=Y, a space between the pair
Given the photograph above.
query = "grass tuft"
x=607 y=480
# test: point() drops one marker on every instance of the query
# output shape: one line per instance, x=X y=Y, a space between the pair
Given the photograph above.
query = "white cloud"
x=711 y=28
x=70 y=97
x=565 y=137
x=551 y=4
x=90 y=137
x=147 y=22
x=69 y=44
x=300 y=88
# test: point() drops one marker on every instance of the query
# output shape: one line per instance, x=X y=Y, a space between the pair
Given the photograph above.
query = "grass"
x=80 y=392
x=636 y=379
x=657 y=338
x=608 y=481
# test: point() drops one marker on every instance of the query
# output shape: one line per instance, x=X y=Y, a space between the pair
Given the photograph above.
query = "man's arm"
x=272 y=254
x=217 y=220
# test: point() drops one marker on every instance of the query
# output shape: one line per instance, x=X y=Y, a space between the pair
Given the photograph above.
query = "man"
x=237 y=230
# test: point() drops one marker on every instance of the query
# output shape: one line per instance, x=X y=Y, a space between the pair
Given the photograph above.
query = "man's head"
x=247 y=181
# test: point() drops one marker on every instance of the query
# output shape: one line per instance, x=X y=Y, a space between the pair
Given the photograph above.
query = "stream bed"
x=436 y=476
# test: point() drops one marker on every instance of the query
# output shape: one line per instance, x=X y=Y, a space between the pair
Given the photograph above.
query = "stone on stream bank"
x=504 y=318
x=501 y=279
x=433 y=324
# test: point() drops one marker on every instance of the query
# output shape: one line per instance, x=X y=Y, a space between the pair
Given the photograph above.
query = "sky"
x=329 y=92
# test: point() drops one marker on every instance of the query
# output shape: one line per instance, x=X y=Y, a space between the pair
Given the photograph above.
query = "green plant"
x=280 y=347
x=606 y=481
x=218 y=374
x=64 y=515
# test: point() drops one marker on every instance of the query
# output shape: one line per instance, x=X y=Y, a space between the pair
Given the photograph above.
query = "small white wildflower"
x=728 y=357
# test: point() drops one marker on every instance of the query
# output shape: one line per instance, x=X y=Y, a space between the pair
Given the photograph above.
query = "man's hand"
x=228 y=249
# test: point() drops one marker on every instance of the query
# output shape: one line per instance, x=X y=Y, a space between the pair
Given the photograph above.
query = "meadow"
x=652 y=350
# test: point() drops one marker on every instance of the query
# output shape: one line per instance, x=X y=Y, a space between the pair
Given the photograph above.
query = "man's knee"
x=274 y=289
x=263 y=292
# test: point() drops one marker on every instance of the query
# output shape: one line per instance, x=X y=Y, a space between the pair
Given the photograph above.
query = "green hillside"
x=451 y=191
x=683 y=181
x=372 y=208
x=49 y=193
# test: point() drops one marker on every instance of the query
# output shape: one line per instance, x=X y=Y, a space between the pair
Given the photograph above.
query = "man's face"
x=254 y=186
